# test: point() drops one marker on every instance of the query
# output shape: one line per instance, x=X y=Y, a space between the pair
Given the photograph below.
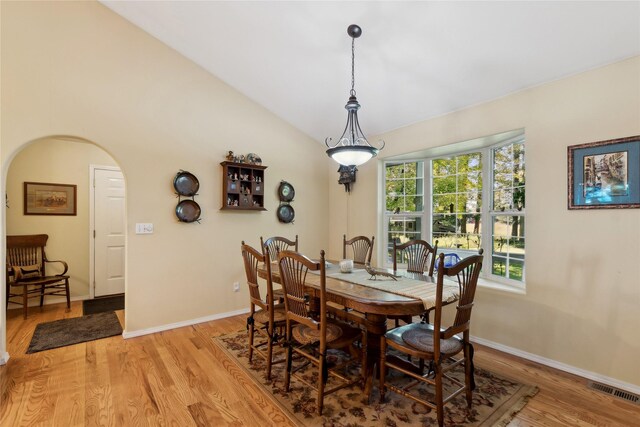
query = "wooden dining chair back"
x=310 y=333
x=436 y=344
x=265 y=317
x=419 y=256
x=361 y=246
x=278 y=243
x=26 y=275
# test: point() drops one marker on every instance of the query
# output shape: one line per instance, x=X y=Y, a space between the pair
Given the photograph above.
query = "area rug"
x=496 y=399
x=101 y=305
x=61 y=333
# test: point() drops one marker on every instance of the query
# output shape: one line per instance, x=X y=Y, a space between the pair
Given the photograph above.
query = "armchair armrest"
x=66 y=267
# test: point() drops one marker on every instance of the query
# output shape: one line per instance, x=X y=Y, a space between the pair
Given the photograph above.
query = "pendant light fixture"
x=352 y=149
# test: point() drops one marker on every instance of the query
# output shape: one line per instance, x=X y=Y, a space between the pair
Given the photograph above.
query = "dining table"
x=370 y=300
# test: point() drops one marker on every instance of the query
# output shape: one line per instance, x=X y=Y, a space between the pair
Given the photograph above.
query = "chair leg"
x=25 y=301
x=251 y=333
x=321 y=382
x=287 y=375
x=42 y=295
x=269 y=353
x=365 y=359
x=66 y=287
x=439 y=400
x=383 y=366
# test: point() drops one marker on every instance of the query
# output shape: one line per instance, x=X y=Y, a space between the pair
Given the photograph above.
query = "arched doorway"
x=70 y=161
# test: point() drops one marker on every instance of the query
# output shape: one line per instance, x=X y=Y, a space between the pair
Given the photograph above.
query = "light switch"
x=144 y=228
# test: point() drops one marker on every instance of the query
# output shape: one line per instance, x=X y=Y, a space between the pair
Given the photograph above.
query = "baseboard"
x=153 y=330
x=48 y=300
x=560 y=366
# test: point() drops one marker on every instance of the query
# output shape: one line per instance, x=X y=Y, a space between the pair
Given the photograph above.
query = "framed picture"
x=604 y=174
x=41 y=198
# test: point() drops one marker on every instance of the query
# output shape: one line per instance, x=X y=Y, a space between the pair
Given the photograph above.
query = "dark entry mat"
x=100 y=305
x=61 y=333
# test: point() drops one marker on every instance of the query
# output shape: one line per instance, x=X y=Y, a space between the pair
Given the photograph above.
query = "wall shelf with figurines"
x=243 y=183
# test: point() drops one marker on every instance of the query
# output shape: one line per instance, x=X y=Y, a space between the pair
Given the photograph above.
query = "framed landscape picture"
x=604 y=174
x=42 y=198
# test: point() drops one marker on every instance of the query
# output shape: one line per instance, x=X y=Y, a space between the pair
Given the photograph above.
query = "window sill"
x=497 y=286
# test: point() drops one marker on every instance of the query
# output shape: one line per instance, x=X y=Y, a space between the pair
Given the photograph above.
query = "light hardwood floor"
x=180 y=378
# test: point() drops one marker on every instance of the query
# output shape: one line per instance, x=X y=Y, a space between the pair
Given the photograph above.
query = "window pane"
x=444 y=224
x=395 y=204
x=508 y=246
x=502 y=200
x=444 y=204
x=499 y=266
x=516 y=269
x=414 y=204
x=401 y=230
x=444 y=185
x=395 y=171
x=442 y=167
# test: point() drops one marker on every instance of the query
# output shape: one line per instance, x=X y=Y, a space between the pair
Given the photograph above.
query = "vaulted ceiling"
x=415 y=60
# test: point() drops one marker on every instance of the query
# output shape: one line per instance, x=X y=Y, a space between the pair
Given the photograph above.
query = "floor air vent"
x=616 y=392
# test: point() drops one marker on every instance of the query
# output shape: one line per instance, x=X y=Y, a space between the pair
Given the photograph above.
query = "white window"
x=466 y=200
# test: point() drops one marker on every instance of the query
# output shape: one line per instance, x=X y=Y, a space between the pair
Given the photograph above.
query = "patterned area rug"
x=495 y=400
x=75 y=330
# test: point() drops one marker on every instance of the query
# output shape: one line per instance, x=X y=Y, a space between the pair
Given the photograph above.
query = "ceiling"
x=415 y=60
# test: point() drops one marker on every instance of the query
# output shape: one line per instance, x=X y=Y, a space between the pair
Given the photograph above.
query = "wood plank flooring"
x=180 y=378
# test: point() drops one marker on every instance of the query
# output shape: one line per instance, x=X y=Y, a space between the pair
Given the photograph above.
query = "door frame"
x=92 y=219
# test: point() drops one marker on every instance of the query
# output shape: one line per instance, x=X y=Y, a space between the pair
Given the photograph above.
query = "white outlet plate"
x=144 y=228
x=236 y=286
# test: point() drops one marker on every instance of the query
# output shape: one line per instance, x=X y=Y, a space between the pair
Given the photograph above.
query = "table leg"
x=376 y=325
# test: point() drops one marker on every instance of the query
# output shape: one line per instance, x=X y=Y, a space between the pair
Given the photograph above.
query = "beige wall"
x=62 y=162
x=583 y=267
x=76 y=68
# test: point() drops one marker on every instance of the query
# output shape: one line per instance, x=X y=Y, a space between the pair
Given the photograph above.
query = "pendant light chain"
x=353 y=67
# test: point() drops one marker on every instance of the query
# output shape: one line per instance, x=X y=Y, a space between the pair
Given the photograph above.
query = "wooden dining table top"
x=359 y=297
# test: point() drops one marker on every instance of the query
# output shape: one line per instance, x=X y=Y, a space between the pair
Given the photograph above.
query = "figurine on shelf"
x=230 y=157
x=235 y=176
x=247 y=191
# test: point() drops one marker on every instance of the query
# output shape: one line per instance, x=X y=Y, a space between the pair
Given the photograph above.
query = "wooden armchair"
x=362 y=248
x=436 y=345
x=265 y=318
x=26 y=262
x=309 y=335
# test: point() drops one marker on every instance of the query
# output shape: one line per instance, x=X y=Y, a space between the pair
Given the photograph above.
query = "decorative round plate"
x=188 y=211
x=286 y=192
x=254 y=159
x=286 y=213
x=186 y=184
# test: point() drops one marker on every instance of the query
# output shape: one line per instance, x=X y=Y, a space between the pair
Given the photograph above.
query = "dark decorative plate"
x=286 y=192
x=286 y=213
x=186 y=184
x=188 y=211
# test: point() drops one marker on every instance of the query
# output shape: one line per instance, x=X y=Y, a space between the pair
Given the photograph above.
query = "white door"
x=109 y=234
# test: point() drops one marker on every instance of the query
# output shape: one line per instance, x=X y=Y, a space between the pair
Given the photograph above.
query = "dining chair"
x=275 y=244
x=265 y=318
x=361 y=246
x=435 y=345
x=419 y=256
x=278 y=243
x=309 y=335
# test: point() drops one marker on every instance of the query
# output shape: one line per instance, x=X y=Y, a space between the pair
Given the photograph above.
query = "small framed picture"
x=604 y=174
x=41 y=198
